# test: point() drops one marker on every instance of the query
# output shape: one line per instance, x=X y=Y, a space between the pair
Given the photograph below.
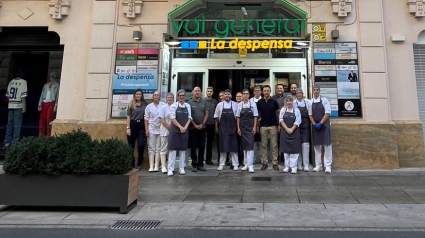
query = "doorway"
x=237 y=79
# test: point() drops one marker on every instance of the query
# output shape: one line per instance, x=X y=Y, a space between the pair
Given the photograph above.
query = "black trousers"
x=210 y=140
x=137 y=132
x=197 y=141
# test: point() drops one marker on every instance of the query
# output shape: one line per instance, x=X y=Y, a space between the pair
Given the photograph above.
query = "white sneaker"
x=293 y=171
x=317 y=168
x=244 y=168
x=251 y=170
x=306 y=169
x=300 y=168
x=150 y=169
x=170 y=173
x=236 y=168
x=182 y=172
x=164 y=170
x=220 y=168
x=328 y=170
x=286 y=170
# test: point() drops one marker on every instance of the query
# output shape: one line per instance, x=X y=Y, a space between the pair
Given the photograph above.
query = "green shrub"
x=71 y=153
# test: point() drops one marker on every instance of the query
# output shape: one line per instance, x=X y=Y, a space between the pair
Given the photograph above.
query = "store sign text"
x=223 y=27
x=252 y=45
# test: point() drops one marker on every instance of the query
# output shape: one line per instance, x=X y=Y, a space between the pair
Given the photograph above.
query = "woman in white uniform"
x=246 y=120
x=290 y=138
x=152 y=127
x=180 y=115
x=164 y=117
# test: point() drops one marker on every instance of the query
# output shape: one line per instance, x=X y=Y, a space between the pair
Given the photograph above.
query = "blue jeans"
x=14 y=123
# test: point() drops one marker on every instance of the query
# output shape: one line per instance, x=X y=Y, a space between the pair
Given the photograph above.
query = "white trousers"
x=248 y=158
x=172 y=159
x=327 y=156
x=154 y=143
x=291 y=160
x=304 y=159
x=234 y=157
x=163 y=148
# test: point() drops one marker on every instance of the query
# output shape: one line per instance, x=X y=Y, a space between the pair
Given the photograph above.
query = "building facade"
x=367 y=55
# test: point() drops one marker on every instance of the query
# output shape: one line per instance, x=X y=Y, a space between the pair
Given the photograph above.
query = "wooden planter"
x=71 y=190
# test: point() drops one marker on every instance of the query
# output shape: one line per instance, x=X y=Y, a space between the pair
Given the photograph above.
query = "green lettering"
x=179 y=27
x=297 y=26
x=249 y=25
x=196 y=22
x=233 y=26
x=222 y=33
x=272 y=25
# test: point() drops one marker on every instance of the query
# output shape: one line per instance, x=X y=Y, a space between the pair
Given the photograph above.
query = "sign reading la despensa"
x=240 y=27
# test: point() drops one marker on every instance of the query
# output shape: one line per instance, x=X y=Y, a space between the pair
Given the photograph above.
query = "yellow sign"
x=251 y=44
x=319 y=28
x=243 y=52
x=319 y=36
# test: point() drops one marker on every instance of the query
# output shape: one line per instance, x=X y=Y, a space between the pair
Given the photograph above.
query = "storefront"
x=367 y=61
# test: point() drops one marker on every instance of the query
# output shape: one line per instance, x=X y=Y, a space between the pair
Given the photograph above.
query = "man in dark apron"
x=304 y=106
x=180 y=115
x=257 y=136
x=319 y=118
x=225 y=114
x=290 y=138
x=247 y=117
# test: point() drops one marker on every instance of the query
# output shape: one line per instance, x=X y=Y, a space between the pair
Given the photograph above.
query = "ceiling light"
x=245 y=13
x=302 y=43
x=172 y=43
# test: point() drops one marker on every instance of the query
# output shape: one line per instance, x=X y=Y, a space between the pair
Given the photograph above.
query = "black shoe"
x=194 y=169
x=264 y=167
x=209 y=163
x=202 y=168
x=231 y=167
x=228 y=163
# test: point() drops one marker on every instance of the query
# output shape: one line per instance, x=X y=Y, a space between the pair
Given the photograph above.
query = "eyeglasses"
x=181 y=95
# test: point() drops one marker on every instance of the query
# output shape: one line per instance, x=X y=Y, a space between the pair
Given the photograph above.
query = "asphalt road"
x=196 y=233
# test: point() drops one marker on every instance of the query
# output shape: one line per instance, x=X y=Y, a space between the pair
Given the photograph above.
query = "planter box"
x=71 y=190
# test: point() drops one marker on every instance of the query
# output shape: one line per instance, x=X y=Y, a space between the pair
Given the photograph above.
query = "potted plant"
x=69 y=170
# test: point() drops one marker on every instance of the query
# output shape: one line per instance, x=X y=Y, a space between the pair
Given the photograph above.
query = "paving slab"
x=171 y=223
x=80 y=222
x=300 y=213
x=335 y=182
x=163 y=194
x=239 y=212
x=30 y=222
x=169 y=211
x=408 y=213
x=154 y=182
x=39 y=215
x=252 y=224
x=372 y=172
x=399 y=181
x=288 y=195
x=302 y=182
x=201 y=223
x=333 y=196
x=360 y=213
x=335 y=173
x=378 y=196
x=98 y=216
x=214 y=195
x=417 y=194
x=278 y=224
x=355 y=224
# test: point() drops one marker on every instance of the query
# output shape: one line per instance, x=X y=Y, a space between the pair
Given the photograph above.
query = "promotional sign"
x=136 y=66
x=343 y=89
x=165 y=74
x=252 y=45
x=319 y=32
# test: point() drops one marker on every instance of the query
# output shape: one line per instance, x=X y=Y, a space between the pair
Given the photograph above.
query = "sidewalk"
x=235 y=199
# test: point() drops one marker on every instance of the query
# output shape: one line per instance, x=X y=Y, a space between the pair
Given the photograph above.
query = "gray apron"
x=228 y=141
x=290 y=143
x=246 y=124
x=322 y=137
x=305 y=126
x=176 y=139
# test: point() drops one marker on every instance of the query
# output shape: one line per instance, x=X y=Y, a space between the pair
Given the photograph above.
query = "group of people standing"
x=286 y=122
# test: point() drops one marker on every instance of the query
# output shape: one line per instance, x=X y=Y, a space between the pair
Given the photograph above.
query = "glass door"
x=287 y=77
x=187 y=79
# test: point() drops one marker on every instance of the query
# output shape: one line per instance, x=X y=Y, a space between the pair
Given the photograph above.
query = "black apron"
x=290 y=143
x=228 y=141
x=246 y=124
x=305 y=126
x=322 y=137
x=176 y=139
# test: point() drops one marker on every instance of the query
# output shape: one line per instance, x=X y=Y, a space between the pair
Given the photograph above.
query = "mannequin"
x=16 y=92
x=47 y=105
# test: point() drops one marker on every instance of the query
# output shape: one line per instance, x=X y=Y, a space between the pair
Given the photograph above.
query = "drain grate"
x=136 y=225
x=261 y=179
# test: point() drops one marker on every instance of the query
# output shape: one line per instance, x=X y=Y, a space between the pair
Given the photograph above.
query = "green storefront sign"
x=294 y=27
x=126 y=57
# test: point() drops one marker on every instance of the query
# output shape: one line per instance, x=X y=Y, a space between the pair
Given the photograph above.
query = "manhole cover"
x=261 y=179
x=136 y=225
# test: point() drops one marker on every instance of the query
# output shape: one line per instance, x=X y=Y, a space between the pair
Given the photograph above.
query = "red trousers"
x=46 y=116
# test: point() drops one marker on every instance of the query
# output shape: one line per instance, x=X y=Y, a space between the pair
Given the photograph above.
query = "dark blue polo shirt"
x=267 y=110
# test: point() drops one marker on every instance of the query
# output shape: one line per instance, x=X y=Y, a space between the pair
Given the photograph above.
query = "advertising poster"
x=165 y=74
x=127 y=83
x=336 y=71
x=125 y=69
